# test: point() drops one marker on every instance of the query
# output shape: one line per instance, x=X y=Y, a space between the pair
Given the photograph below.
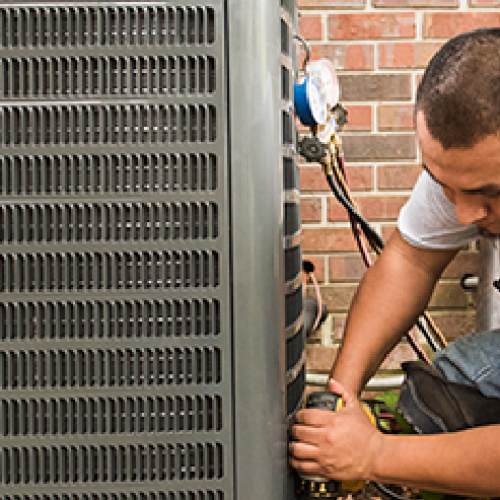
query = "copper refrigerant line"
x=334 y=168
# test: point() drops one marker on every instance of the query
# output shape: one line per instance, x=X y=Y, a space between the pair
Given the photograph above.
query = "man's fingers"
x=305 y=467
x=302 y=451
x=305 y=434
x=313 y=418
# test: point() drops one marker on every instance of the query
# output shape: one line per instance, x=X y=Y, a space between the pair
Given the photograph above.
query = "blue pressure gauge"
x=310 y=102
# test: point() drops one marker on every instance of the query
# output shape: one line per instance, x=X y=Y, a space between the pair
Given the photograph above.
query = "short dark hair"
x=459 y=94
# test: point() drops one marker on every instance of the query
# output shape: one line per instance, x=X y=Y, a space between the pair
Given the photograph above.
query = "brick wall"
x=380 y=49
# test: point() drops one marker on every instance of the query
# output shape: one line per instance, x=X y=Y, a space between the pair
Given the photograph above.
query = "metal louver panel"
x=109 y=319
x=261 y=117
x=115 y=318
x=295 y=334
x=120 y=415
x=91 y=76
x=158 y=173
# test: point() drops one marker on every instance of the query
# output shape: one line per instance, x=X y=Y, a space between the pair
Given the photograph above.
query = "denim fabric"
x=474 y=360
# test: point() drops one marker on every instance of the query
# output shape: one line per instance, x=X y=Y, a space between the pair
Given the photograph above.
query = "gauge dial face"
x=324 y=72
x=316 y=101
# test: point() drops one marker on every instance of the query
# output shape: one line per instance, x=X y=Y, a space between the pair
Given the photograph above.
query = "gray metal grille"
x=90 y=26
x=295 y=335
x=114 y=282
x=114 y=221
x=125 y=415
x=97 y=174
x=109 y=368
x=39 y=272
x=150 y=495
x=109 y=319
x=116 y=124
x=109 y=464
x=68 y=77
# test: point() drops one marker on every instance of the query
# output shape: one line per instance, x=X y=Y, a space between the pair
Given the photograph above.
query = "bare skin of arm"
x=344 y=445
x=391 y=295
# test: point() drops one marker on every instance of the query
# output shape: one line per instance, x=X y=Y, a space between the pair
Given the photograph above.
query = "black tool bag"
x=432 y=404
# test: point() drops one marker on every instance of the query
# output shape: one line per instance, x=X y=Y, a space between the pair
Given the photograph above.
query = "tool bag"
x=432 y=404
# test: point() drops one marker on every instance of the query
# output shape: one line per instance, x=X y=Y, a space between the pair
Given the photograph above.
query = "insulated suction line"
x=336 y=175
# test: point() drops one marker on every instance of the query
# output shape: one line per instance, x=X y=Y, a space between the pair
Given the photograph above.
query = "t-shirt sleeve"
x=429 y=221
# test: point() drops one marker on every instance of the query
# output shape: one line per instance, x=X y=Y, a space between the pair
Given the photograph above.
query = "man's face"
x=470 y=177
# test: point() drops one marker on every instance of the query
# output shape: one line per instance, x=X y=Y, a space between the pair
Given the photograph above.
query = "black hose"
x=386 y=491
x=377 y=245
x=372 y=236
x=428 y=337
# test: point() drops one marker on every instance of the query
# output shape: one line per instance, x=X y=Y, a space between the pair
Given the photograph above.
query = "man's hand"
x=339 y=445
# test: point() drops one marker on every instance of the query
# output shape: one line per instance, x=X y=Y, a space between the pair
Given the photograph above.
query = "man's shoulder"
x=429 y=221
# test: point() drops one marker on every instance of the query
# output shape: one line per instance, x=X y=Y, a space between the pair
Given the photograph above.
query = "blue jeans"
x=473 y=360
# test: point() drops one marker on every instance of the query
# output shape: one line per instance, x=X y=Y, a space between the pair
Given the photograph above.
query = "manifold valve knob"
x=312 y=149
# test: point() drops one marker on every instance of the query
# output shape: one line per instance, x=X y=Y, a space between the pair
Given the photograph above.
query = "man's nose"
x=469 y=208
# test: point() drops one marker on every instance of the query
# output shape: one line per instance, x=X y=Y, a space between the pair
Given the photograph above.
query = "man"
x=456 y=199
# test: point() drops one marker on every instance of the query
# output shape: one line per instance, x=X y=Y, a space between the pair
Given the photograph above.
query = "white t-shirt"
x=429 y=221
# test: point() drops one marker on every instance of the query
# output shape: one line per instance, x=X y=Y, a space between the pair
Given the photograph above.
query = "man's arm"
x=462 y=463
x=391 y=295
x=344 y=445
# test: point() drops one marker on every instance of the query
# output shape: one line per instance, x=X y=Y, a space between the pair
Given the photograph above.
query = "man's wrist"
x=376 y=448
x=351 y=386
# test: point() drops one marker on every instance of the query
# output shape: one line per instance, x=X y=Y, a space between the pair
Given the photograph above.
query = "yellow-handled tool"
x=311 y=487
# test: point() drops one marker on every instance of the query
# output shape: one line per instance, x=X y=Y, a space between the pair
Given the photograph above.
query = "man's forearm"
x=373 y=327
x=390 y=297
x=464 y=463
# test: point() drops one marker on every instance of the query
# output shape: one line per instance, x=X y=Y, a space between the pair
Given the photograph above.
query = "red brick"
x=313 y=179
x=381 y=207
x=395 y=117
x=310 y=27
x=359 y=177
x=359 y=118
x=366 y=147
x=448 y=296
x=347 y=267
x=318 y=262
x=372 y=87
x=320 y=359
x=316 y=337
x=449 y=24
x=338 y=297
x=338 y=326
x=484 y=3
x=451 y=307
x=398 y=176
x=327 y=239
x=371 y=26
x=400 y=4
x=331 y=4
x=406 y=54
x=355 y=57
x=336 y=212
x=464 y=263
x=401 y=352
x=310 y=209
x=455 y=325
